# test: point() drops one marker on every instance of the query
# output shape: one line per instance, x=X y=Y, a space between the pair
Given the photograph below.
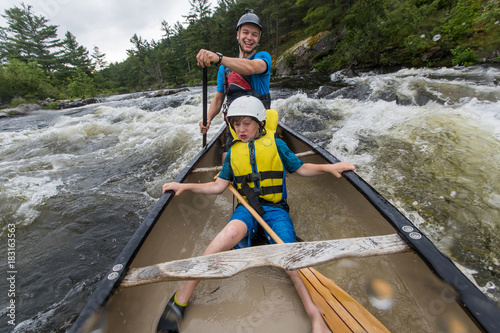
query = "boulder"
x=66 y=104
x=77 y=103
x=300 y=58
x=166 y=92
x=21 y=109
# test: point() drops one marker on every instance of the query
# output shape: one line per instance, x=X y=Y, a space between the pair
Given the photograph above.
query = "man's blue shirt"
x=260 y=82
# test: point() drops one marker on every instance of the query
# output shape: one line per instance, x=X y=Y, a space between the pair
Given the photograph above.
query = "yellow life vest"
x=258 y=164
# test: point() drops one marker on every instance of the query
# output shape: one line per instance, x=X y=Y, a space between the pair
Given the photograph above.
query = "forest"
x=35 y=64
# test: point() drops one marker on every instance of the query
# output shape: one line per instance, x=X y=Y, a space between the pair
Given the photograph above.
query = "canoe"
x=420 y=290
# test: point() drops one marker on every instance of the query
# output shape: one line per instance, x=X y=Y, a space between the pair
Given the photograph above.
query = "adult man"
x=247 y=74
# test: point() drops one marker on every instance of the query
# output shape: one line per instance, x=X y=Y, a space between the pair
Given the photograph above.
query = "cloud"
x=107 y=24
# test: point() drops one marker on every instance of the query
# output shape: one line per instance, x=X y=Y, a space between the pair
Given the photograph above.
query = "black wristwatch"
x=220 y=58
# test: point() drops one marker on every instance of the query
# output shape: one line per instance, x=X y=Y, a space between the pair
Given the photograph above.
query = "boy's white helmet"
x=247 y=106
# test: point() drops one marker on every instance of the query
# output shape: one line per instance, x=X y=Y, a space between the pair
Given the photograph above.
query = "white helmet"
x=248 y=106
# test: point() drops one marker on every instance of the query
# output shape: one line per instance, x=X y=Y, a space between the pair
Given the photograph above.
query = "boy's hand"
x=176 y=187
x=337 y=168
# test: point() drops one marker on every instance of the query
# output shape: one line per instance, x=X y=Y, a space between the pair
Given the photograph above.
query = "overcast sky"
x=107 y=24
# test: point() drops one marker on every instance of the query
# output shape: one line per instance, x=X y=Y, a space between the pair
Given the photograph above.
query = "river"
x=76 y=183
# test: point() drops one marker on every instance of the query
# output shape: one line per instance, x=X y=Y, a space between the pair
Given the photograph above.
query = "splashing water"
x=76 y=183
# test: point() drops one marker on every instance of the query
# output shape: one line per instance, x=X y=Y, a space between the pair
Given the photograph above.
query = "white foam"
x=29 y=193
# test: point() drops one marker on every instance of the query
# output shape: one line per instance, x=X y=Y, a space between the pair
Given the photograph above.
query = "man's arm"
x=238 y=65
x=214 y=110
x=245 y=66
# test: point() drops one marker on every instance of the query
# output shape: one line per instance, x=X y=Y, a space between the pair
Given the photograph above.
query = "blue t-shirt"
x=290 y=162
x=260 y=82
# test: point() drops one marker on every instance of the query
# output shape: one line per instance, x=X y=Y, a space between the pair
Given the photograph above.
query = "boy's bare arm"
x=336 y=169
x=216 y=187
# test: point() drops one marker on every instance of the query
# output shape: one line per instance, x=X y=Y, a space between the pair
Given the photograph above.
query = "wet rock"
x=324 y=91
x=66 y=104
x=299 y=58
x=79 y=102
x=19 y=110
x=166 y=92
x=23 y=109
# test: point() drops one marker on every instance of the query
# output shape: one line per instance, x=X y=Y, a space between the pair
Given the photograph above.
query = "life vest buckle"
x=257 y=191
x=253 y=177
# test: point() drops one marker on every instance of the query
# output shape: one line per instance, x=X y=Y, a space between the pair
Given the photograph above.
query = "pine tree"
x=28 y=38
x=75 y=56
x=168 y=31
x=98 y=62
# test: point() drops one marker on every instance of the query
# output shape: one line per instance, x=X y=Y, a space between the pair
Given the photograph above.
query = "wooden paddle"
x=341 y=312
x=205 y=101
x=290 y=256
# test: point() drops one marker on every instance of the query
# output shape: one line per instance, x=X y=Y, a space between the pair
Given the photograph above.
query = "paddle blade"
x=341 y=312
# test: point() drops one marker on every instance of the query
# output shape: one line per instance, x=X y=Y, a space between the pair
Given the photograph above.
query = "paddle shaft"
x=205 y=102
x=256 y=215
x=341 y=312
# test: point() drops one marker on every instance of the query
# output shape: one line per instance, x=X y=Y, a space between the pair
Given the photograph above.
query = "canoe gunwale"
x=107 y=287
x=480 y=308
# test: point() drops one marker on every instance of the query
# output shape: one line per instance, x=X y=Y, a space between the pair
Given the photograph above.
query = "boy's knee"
x=235 y=230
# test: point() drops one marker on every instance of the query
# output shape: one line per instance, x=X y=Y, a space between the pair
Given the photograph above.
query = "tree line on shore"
x=35 y=64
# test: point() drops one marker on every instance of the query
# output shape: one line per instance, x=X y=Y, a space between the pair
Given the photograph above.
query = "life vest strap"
x=252 y=177
x=263 y=190
x=252 y=197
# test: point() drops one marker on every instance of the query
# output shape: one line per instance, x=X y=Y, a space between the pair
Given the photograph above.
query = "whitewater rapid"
x=76 y=183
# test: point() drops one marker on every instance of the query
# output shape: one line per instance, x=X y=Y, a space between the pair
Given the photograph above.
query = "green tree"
x=462 y=18
x=137 y=59
x=364 y=39
x=167 y=29
x=74 y=57
x=320 y=14
x=280 y=14
x=98 y=59
x=29 y=38
x=80 y=86
x=5 y=87
x=198 y=33
x=27 y=80
x=176 y=55
x=223 y=25
x=200 y=10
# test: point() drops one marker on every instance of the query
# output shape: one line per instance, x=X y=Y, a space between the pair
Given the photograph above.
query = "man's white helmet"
x=247 y=106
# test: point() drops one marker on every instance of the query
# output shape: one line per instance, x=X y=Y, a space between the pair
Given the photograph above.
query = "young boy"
x=256 y=162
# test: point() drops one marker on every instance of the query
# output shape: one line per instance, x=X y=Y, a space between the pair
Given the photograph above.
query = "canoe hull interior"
x=264 y=299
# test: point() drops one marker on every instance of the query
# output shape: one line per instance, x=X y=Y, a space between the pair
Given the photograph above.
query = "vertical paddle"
x=341 y=312
x=205 y=101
